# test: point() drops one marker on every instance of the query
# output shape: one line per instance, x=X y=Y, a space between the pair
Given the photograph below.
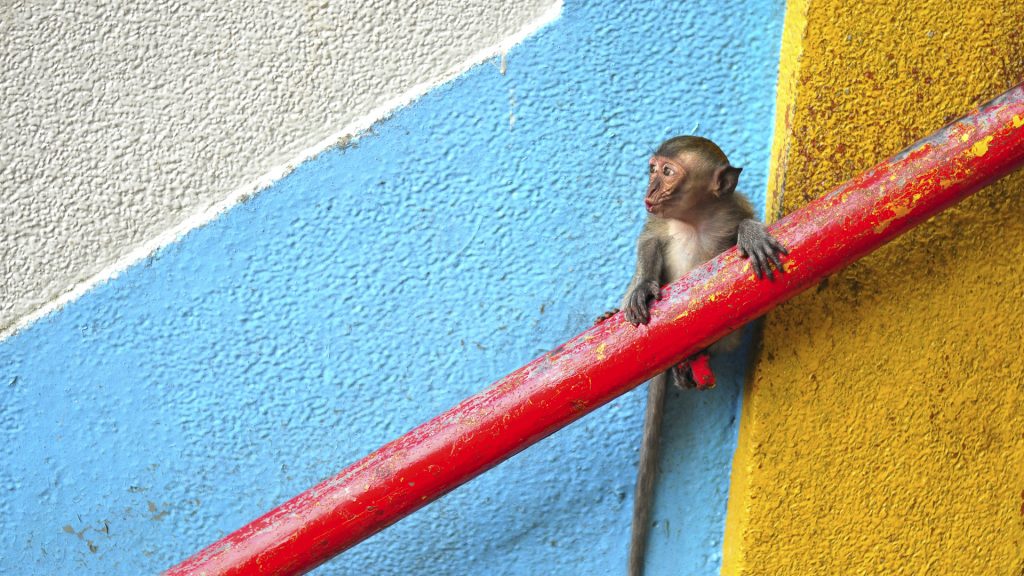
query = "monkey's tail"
x=646 y=473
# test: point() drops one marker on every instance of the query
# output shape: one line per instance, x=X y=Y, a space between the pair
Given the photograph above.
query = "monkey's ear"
x=726 y=178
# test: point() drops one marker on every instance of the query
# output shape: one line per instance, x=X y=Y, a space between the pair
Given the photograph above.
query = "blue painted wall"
x=380 y=284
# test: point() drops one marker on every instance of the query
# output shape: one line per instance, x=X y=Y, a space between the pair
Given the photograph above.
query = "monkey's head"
x=687 y=172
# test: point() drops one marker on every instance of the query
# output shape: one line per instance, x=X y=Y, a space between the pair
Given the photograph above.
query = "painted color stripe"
x=342 y=137
x=479 y=226
x=882 y=430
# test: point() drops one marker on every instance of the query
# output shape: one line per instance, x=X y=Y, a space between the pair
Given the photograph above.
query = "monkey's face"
x=671 y=186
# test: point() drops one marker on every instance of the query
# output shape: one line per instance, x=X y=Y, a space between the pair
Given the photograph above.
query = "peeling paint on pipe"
x=614 y=357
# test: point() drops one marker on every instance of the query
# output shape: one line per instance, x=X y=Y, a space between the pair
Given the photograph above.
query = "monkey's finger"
x=632 y=312
x=755 y=263
x=640 y=307
x=628 y=313
x=742 y=251
x=778 y=245
x=775 y=259
x=767 y=264
x=643 y=314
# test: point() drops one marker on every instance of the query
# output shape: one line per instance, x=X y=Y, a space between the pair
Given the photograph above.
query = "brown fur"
x=694 y=215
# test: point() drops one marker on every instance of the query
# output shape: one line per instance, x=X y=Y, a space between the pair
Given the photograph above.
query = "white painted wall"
x=123 y=123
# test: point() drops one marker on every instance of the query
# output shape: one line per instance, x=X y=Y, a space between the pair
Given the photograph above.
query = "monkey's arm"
x=756 y=243
x=646 y=283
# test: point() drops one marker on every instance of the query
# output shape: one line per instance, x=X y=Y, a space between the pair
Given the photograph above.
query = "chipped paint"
x=981 y=146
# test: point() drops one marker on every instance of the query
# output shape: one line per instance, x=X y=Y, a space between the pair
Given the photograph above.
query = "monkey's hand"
x=638 y=301
x=606 y=316
x=756 y=243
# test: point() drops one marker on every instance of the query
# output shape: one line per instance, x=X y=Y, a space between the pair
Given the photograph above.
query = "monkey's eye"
x=667 y=171
x=651 y=169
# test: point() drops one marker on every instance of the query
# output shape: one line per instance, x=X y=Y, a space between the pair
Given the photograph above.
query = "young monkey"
x=694 y=214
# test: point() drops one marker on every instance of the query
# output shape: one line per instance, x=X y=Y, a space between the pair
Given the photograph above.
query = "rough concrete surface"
x=884 y=428
x=378 y=285
x=121 y=119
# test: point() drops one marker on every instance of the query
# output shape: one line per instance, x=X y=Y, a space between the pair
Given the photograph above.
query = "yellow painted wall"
x=883 y=425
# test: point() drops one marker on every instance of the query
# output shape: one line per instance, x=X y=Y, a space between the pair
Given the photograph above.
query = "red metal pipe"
x=613 y=357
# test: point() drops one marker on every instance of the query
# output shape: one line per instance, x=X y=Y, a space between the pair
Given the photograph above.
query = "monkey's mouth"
x=651 y=207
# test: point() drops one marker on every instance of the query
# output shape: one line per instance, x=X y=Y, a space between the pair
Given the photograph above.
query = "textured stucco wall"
x=378 y=285
x=122 y=119
x=883 y=432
